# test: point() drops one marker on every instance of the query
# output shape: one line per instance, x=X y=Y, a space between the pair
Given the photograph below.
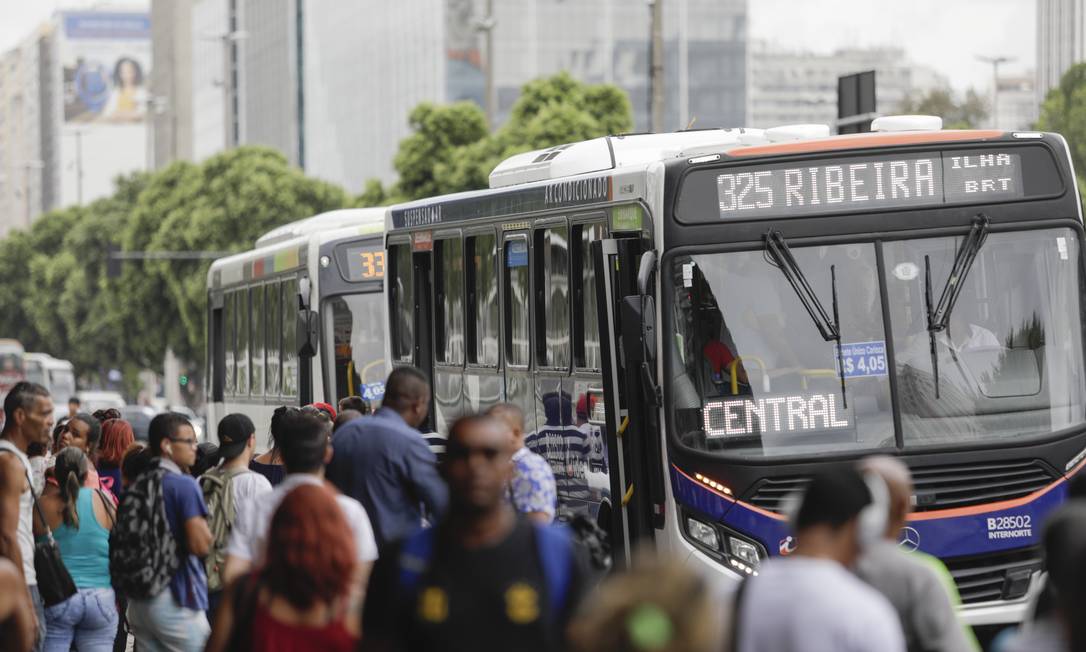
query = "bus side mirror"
x=307 y=334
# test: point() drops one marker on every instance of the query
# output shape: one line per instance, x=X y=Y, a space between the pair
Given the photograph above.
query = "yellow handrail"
x=733 y=366
x=350 y=379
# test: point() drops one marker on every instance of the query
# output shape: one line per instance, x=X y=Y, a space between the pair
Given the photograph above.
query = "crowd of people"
x=349 y=534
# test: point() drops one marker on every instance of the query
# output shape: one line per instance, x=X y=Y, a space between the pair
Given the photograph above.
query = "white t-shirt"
x=247 y=538
x=247 y=486
x=803 y=604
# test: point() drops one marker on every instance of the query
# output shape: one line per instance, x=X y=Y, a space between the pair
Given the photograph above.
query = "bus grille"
x=982 y=578
x=962 y=485
x=937 y=487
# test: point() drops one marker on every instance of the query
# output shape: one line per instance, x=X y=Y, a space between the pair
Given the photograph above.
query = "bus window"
x=290 y=339
x=552 y=279
x=271 y=343
x=482 y=301
x=242 y=355
x=230 y=331
x=516 y=302
x=256 y=341
x=402 y=300
x=586 y=336
x=358 y=345
x=449 y=301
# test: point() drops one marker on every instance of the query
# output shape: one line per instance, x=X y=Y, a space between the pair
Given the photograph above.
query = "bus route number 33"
x=373 y=264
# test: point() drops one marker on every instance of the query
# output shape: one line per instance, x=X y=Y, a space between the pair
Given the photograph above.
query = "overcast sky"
x=944 y=34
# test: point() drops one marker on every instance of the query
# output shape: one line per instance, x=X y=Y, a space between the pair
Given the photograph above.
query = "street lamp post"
x=486 y=25
x=995 y=62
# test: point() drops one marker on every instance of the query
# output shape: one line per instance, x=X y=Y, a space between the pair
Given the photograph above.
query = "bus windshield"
x=752 y=376
x=357 y=344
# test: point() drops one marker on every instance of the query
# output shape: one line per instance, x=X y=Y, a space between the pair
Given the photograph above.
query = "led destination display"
x=869 y=183
x=774 y=415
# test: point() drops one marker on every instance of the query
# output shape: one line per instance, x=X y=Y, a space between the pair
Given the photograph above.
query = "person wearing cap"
x=229 y=489
x=326 y=408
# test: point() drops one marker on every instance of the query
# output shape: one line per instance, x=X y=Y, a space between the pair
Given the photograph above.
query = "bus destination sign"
x=365 y=263
x=869 y=183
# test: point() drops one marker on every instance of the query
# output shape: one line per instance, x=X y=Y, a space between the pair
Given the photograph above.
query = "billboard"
x=106 y=59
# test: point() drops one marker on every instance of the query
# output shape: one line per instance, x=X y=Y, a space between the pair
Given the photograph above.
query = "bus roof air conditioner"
x=907 y=123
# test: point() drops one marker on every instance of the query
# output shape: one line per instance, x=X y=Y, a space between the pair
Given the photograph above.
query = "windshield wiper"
x=776 y=247
x=939 y=315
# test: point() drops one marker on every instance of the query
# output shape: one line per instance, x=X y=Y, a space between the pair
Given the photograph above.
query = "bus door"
x=422 y=248
x=629 y=395
x=516 y=325
x=409 y=296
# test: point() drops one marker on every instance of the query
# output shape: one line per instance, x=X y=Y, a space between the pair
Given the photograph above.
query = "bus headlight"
x=703 y=533
x=744 y=551
x=732 y=549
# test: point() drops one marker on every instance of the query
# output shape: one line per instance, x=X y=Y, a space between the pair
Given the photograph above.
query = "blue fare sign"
x=869 y=183
x=516 y=253
x=863 y=359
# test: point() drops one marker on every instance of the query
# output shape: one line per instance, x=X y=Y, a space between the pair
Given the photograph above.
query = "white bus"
x=299 y=318
x=696 y=322
x=57 y=376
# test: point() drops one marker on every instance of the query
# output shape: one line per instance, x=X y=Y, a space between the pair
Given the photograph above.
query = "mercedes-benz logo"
x=909 y=540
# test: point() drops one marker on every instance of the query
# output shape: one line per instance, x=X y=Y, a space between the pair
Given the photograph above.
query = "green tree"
x=1064 y=112
x=223 y=204
x=451 y=151
x=969 y=113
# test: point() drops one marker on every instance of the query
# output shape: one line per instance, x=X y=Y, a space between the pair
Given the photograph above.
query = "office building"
x=169 y=110
x=73 y=102
x=1016 y=103
x=339 y=104
x=801 y=87
x=1061 y=41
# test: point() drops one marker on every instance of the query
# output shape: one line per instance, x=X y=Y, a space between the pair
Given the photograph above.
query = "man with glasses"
x=176 y=619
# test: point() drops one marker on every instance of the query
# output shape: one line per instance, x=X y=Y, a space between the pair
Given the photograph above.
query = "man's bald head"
x=407 y=391
x=899 y=483
x=478 y=464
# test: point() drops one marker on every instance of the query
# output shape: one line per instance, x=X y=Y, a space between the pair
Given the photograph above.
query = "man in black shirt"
x=486 y=578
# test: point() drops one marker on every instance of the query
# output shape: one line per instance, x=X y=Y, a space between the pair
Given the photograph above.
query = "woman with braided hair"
x=80 y=519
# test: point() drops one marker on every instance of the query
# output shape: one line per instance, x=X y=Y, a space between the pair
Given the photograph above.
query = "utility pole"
x=995 y=61
x=79 y=166
x=486 y=25
x=656 y=67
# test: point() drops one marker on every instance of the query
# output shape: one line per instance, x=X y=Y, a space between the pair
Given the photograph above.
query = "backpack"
x=217 y=486
x=553 y=543
x=142 y=549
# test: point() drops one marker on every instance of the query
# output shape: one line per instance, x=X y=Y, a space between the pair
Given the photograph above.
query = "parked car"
x=140 y=417
x=91 y=401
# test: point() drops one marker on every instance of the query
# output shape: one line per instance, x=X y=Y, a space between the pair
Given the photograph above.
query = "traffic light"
x=184 y=380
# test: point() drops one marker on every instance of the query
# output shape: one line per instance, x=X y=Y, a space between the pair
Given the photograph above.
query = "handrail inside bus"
x=734 y=367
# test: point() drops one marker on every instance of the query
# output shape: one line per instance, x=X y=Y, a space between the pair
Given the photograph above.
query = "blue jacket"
x=385 y=464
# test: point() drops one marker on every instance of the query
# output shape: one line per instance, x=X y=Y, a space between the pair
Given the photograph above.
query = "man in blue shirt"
x=384 y=463
x=175 y=620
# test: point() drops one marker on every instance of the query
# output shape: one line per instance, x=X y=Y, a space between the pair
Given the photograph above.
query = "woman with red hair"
x=301 y=598
x=117 y=436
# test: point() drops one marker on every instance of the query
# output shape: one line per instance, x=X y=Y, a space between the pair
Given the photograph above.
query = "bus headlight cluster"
x=740 y=554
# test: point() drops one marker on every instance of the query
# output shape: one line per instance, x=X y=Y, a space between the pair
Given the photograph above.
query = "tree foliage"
x=1064 y=112
x=59 y=295
x=452 y=151
x=969 y=113
x=60 y=298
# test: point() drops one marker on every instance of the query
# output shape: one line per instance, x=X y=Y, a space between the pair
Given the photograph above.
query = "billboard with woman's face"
x=106 y=58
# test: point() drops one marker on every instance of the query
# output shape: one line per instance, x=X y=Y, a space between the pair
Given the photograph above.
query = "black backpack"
x=142 y=550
